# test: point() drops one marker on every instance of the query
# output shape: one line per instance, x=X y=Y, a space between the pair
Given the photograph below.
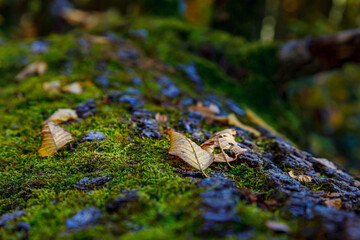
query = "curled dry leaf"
x=300 y=178
x=357 y=183
x=35 y=68
x=74 y=88
x=54 y=138
x=79 y=17
x=327 y=163
x=334 y=203
x=161 y=118
x=207 y=112
x=188 y=151
x=52 y=87
x=233 y=121
x=254 y=118
x=62 y=115
x=223 y=140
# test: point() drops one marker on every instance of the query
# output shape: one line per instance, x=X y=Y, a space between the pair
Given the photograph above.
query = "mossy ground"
x=44 y=187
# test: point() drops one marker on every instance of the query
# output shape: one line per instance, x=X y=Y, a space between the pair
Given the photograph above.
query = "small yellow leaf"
x=334 y=203
x=233 y=121
x=62 y=115
x=188 y=151
x=52 y=87
x=223 y=140
x=254 y=118
x=35 y=68
x=74 y=88
x=206 y=111
x=54 y=138
x=161 y=118
x=300 y=178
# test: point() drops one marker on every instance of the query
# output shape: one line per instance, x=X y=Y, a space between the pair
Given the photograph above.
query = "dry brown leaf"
x=300 y=178
x=357 y=183
x=79 y=17
x=334 y=203
x=35 y=68
x=233 y=121
x=74 y=88
x=254 y=118
x=54 y=138
x=62 y=115
x=188 y=151
x=161 y=118
x=327 y=163
x=223 y=140
x=277 y=226
x=52 y=87
x=98 y=39
x=207 y=112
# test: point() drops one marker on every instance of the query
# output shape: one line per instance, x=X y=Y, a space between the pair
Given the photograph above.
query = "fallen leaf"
x=254 y=118
x=35 y=68
x=79 y=17
x=62 y=115
x=74 y=88
x=98 y=39
x=300 y=178
x=188 y=151
x=233 y=121
x=161 y=118
x=52 y=87
x=357 y=183
x=334 y=203
x=223 y=140
x=277 y=226
x=207 y=112
x=327 y=163
x=54 y=138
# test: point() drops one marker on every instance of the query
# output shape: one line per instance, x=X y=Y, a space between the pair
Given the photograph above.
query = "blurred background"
x=327 y=103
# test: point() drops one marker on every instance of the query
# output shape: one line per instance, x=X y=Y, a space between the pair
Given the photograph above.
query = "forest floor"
x=121 y=181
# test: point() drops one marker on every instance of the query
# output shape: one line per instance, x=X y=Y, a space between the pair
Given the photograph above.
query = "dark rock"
x=131 y=100
x=133 y=91
x=168 y=88
x=139 y=33
x=219 y=206
x=103 y=81
x=22 y=226
x=136 y=81
x=86 y=108
x=251 y=159
x=87 y=183
x=58 y=7
x=91 y=136
x=128 y=54
x=150 y=133
x=146 y=122
x=39 y=46
x=171 y=91
x=328 y=223
x=84 y=218
x=191 y=123
x=10 y=216
x=164 y=81
x=85 y=45
x=233 y=107
x=187 y=173
x=191 y=72
x=114 y=96
x=126 y=197
x=187 y=102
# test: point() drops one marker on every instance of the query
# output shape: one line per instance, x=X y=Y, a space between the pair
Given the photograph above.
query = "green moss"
x=169 y=203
